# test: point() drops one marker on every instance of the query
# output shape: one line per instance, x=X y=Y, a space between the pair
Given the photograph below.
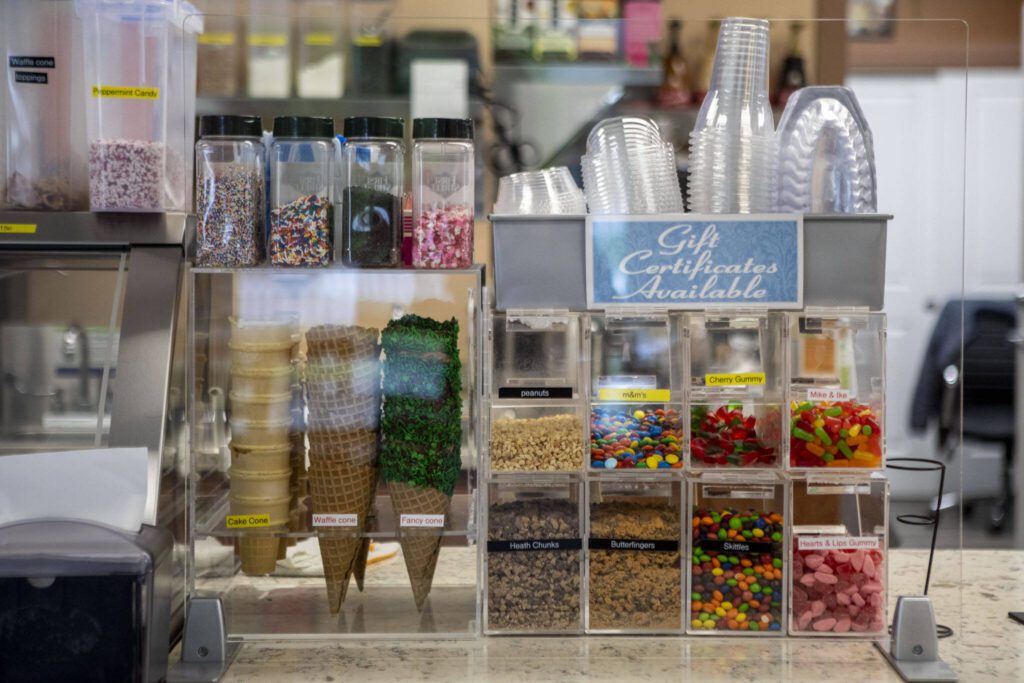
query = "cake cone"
x=420 y=547
x=340 y=489
x=258 y=553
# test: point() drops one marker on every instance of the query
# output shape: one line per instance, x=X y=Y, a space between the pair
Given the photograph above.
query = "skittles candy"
x=736 y=571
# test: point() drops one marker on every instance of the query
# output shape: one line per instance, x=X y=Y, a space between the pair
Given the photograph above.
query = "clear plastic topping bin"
x=534 y=556
x=737 y=548
x=634 y=530
x=840 y=563
x=836 y=397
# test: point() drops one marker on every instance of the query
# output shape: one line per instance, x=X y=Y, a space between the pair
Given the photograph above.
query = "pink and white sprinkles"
x=126 y=175
x=443 y=238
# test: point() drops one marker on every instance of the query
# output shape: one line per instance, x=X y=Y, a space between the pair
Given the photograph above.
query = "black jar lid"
x=303 y=127
x=374 y=127
x=231 y=125
x=451 y=129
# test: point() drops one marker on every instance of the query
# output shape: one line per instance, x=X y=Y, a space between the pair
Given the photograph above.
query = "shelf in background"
x=349 y=105
x=579 y=73
x=86 y=230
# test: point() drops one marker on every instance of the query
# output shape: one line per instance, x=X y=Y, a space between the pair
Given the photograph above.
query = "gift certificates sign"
x=695 y=261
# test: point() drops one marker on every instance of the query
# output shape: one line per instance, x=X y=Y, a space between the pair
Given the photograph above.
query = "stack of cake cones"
x=343 y=398
x=262 y=356
x=422 y=434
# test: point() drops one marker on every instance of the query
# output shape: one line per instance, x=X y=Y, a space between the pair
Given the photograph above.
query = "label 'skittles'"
x=757 y=547
x=649 y=545
x=247 y=521
x=18 y=228
x=532 y=544
x=268 y=40
x=125 y=92
x=328 y=519
x=32 y=62
x=535 y=392
x=838 y=543
x=31 y=77
x=646 y=395
x=225 y=38
x=831 y=395
x=319 y=39
x=422 y=521
x=736 y=379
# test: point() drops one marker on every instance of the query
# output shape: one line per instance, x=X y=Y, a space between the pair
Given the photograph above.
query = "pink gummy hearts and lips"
x=838 y=591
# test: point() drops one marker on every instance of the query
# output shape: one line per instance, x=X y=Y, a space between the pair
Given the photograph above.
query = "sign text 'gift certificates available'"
x=695 y=261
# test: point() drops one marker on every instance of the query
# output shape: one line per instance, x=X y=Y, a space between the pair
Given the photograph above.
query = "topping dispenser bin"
x=839 y=568
x=736 y=390
x=737 y=548
x=836 y=396
x=140 y=84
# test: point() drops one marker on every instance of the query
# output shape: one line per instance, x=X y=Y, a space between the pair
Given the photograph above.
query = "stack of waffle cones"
x=421 y=432
x=262 y=358
x=343 y=399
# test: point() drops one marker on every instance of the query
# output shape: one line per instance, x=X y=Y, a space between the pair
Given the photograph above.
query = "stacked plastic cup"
x=629 y=169
x=733 y=151
x=826 y=155
x=549 y=191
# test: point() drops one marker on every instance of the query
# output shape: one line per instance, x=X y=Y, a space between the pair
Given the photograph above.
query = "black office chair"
x=987 y=378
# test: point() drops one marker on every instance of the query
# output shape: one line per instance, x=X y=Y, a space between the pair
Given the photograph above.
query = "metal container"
x=539 y=261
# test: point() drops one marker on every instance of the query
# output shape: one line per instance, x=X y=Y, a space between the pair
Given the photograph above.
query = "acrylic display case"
x=534 y=355
x=634 y=529
x=839 y=569
x=636 y=365
x=837 y=390
x=738 y=554
x=334 y=437
x=533 y=567
x=735 y=382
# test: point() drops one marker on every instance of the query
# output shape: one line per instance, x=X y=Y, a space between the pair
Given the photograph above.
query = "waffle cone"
x=340 y=489
x=359 y=570
x=352 y=448
x=258 y=553
x=343 y=341
x=338 y=554
x=420 y=547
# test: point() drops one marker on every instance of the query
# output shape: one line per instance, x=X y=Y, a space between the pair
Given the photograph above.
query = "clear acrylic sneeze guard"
x=306 y=517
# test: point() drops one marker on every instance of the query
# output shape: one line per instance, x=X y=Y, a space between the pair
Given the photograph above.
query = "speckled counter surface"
x=972 y=594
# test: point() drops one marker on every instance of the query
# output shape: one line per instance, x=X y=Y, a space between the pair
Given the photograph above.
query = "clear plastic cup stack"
x=733 y=150
x=629 y=169
x=548 y=191
x=826 y=155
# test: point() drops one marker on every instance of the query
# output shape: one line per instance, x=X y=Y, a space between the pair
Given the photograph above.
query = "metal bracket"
x=206 y=653
x=913 y=650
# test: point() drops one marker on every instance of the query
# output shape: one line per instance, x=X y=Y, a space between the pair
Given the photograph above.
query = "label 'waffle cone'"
x=340 y=489
x=420 y=547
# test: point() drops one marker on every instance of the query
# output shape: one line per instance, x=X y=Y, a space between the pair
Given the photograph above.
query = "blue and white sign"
x=695 y=261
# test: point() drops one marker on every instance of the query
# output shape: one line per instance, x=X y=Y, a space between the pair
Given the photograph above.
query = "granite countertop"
x=972 y=593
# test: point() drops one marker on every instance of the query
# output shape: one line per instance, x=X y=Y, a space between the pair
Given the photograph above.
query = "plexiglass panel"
x=334 y=437
x=59 y=329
